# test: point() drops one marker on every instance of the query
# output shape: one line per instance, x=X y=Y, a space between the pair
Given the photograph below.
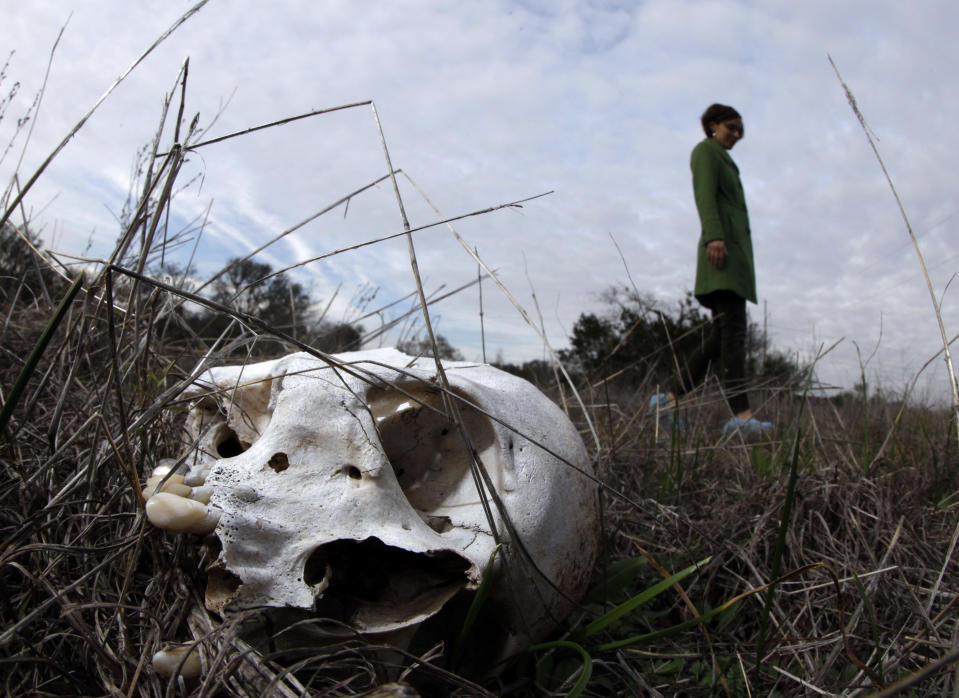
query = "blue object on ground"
x=661 y=401
x=749 y=427
x=666 y=412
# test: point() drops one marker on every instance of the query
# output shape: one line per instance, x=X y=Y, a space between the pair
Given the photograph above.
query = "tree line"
x=633 y=339
x=638 y=339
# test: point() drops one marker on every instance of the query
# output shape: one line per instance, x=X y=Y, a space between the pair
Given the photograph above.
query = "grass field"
x=817 y=561
x=829 y=548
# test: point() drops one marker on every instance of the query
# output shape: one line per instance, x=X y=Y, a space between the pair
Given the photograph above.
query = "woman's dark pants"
x=724 y=349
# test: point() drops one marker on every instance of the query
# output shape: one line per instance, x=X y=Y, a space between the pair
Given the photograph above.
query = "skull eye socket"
x=243 y=416
x=428 y=453
x=230 y=447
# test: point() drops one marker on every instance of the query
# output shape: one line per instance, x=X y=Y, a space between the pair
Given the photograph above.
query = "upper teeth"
x=177 y=507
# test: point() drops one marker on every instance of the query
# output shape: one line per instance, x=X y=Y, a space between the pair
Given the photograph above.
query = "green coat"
x=722 y=213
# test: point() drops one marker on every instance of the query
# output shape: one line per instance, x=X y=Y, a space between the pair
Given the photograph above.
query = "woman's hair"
x=717 y=113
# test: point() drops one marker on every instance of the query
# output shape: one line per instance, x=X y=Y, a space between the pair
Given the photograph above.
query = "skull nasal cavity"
x=230 y=446
x=279 y=462
x=371 y=571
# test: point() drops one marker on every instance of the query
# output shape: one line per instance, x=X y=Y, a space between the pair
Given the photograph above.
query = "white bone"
x=196 y=476
x=178 y=514
x=173 y=485
x=201 y=494
x=167 y=661
x=355 y=484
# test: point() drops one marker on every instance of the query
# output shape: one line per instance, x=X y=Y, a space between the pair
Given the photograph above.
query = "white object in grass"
x=353 y=489
x=171 y=661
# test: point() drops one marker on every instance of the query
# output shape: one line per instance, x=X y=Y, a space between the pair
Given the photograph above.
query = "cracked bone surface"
x=347 y=491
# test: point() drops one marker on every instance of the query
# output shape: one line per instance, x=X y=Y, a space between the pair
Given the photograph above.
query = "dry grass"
x=869 y=541
x=90 y=590
x=867 y=581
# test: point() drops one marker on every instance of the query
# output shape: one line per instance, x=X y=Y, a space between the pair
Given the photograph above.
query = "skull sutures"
x=352 y=490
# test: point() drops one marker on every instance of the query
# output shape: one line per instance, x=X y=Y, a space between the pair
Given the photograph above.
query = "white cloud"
x=483 y=103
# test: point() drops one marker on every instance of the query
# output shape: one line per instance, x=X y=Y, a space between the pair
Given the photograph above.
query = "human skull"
x=348 y=489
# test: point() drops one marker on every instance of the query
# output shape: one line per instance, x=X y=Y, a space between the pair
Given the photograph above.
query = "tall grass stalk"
x=518 y=306
x=784 y=524
x=76 y=128
x=16 y=392
x=953 y=383
x=692 y=539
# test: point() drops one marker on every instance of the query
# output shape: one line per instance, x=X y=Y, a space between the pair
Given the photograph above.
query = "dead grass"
x=867 y=588
x=90 y=591
x=876 y=600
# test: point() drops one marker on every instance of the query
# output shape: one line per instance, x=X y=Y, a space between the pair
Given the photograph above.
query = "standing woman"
x=725 y=275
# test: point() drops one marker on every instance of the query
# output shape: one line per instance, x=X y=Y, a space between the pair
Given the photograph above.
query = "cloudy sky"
x=485 y=103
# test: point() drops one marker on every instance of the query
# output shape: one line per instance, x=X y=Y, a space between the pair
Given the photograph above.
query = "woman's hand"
x=716 y=253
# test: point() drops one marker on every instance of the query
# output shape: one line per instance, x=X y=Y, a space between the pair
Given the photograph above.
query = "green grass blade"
x=665 y=632
x=20 y=385
x=632 y=604
x=721 y=609
x=587 y=672
x=618 y=575
x=873 y=626
x=479 y=599
x=780 y=548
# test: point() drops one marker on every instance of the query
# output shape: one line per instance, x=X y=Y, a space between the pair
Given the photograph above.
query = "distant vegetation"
x=820 y=560
x=817 y=557
x=252 y=288
x=637 y=340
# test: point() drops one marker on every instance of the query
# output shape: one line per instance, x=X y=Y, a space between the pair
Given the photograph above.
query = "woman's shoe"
x=660 y=403
x=748 y=427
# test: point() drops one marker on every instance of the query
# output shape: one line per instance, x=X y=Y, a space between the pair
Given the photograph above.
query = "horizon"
x=486 y=105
